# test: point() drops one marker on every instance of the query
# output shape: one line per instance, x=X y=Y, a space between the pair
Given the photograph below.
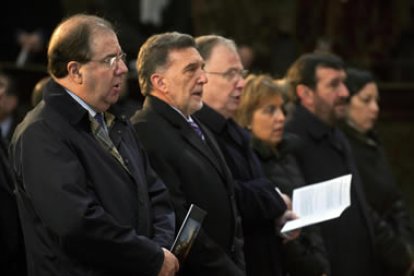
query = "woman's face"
x=363 y=108
x=268 y=120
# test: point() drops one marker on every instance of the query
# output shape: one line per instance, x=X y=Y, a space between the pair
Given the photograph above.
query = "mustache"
x=341 y=101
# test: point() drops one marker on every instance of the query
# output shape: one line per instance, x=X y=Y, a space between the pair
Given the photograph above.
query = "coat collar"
x=219 y=125
x=209 y=149
x=212 y=119
x=314 y=126
x=56 y=97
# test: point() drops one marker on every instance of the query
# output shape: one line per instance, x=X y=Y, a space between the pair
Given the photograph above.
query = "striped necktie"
x=100 y=131
x=100 y=118
x=196 y=129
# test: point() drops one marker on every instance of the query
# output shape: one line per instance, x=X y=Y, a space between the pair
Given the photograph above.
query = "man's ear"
x=74 y=71
x=158 y=82
x=305 y=94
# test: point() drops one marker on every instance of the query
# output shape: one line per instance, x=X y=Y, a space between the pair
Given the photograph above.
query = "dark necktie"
x=196 y=129
x=100 y=118
x=100 y=131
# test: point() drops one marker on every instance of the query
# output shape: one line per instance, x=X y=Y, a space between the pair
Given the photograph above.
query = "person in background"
x=381 y=190
x=89 y=202
x=25 y=30
x=13 y=260
x=10 y=115
x=317 y=83
x=37 y=93
x=185 y=154
x=262 y=112
x=263 y=209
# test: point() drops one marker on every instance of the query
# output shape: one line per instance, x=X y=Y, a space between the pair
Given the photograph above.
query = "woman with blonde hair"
x=261 y=111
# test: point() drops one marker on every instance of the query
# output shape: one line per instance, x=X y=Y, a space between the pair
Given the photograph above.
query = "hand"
x=287 y=200
x=291 y=235
x=170 y=266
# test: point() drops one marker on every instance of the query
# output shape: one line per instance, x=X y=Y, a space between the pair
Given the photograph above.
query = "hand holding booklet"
x=188 y=232
x=319 y=202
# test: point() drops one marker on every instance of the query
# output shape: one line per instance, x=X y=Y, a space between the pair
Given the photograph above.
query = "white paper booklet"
x=320 y=202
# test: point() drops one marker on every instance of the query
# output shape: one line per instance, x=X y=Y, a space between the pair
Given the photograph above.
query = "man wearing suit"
x=89 y=202
x=318 y=85
x=262 y=208
x=183 y=152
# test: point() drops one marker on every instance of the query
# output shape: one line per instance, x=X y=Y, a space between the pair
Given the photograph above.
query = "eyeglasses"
x=112 y=60
x=231 y=74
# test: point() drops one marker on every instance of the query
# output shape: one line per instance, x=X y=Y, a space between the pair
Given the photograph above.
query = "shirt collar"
x=88 y=108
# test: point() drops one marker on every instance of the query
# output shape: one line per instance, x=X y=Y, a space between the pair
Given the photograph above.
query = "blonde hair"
x=257 y=89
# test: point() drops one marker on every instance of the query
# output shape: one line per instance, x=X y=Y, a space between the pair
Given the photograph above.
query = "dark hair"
x=71 y=41
x=154 y=54
x=303 y=70
x=356 y=79
x=206 y=44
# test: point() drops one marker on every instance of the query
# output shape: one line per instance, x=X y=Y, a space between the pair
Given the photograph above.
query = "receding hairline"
x=207 y=43
x=94 y=23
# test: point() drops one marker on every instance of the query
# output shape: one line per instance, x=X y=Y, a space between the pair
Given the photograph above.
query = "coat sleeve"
x=258 y=200
x=163 y=216
x=54 y=182
x=206 y=256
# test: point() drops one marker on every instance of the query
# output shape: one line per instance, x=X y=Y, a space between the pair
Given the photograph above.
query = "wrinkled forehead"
x=183 y=56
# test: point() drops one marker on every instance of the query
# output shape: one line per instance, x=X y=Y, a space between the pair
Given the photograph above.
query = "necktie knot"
x=100 y=119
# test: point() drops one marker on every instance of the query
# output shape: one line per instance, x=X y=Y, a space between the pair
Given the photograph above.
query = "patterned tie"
x=100 y=131
x=100 y=118
x=196 y=129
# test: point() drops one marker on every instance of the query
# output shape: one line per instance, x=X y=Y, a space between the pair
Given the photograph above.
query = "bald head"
x=71 y=41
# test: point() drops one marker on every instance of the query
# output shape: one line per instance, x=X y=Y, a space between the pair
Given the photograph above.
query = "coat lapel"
x=185 y=130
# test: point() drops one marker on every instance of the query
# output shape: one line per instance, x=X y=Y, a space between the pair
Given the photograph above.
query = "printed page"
x=320 y=202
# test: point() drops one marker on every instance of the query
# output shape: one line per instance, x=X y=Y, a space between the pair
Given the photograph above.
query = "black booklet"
x=188 y=232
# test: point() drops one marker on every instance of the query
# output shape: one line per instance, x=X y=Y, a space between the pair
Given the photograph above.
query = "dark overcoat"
x=259 y=203
x=195 y=172
x=82 y=212
x=326 y=154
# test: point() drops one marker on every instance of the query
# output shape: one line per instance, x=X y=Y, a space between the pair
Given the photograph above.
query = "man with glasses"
x=89 y=202
x=262 y=208
x=184 y=153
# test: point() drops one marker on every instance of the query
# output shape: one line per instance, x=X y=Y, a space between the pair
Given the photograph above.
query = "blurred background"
x=376 y=35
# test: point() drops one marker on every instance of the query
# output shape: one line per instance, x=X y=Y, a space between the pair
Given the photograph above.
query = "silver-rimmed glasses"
x=111 y=61
x=231 y=74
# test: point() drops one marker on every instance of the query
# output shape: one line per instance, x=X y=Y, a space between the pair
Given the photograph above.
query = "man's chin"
x=195 y=107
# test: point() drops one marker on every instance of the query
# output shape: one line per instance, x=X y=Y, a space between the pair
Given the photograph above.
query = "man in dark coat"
x=262 y=208
x=185 y=154
x=318 y=84
x=90 y=204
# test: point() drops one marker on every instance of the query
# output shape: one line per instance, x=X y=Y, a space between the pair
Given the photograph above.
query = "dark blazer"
x=326 y=154
x=195 y=172
x=82 y=212
x=259 y=203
